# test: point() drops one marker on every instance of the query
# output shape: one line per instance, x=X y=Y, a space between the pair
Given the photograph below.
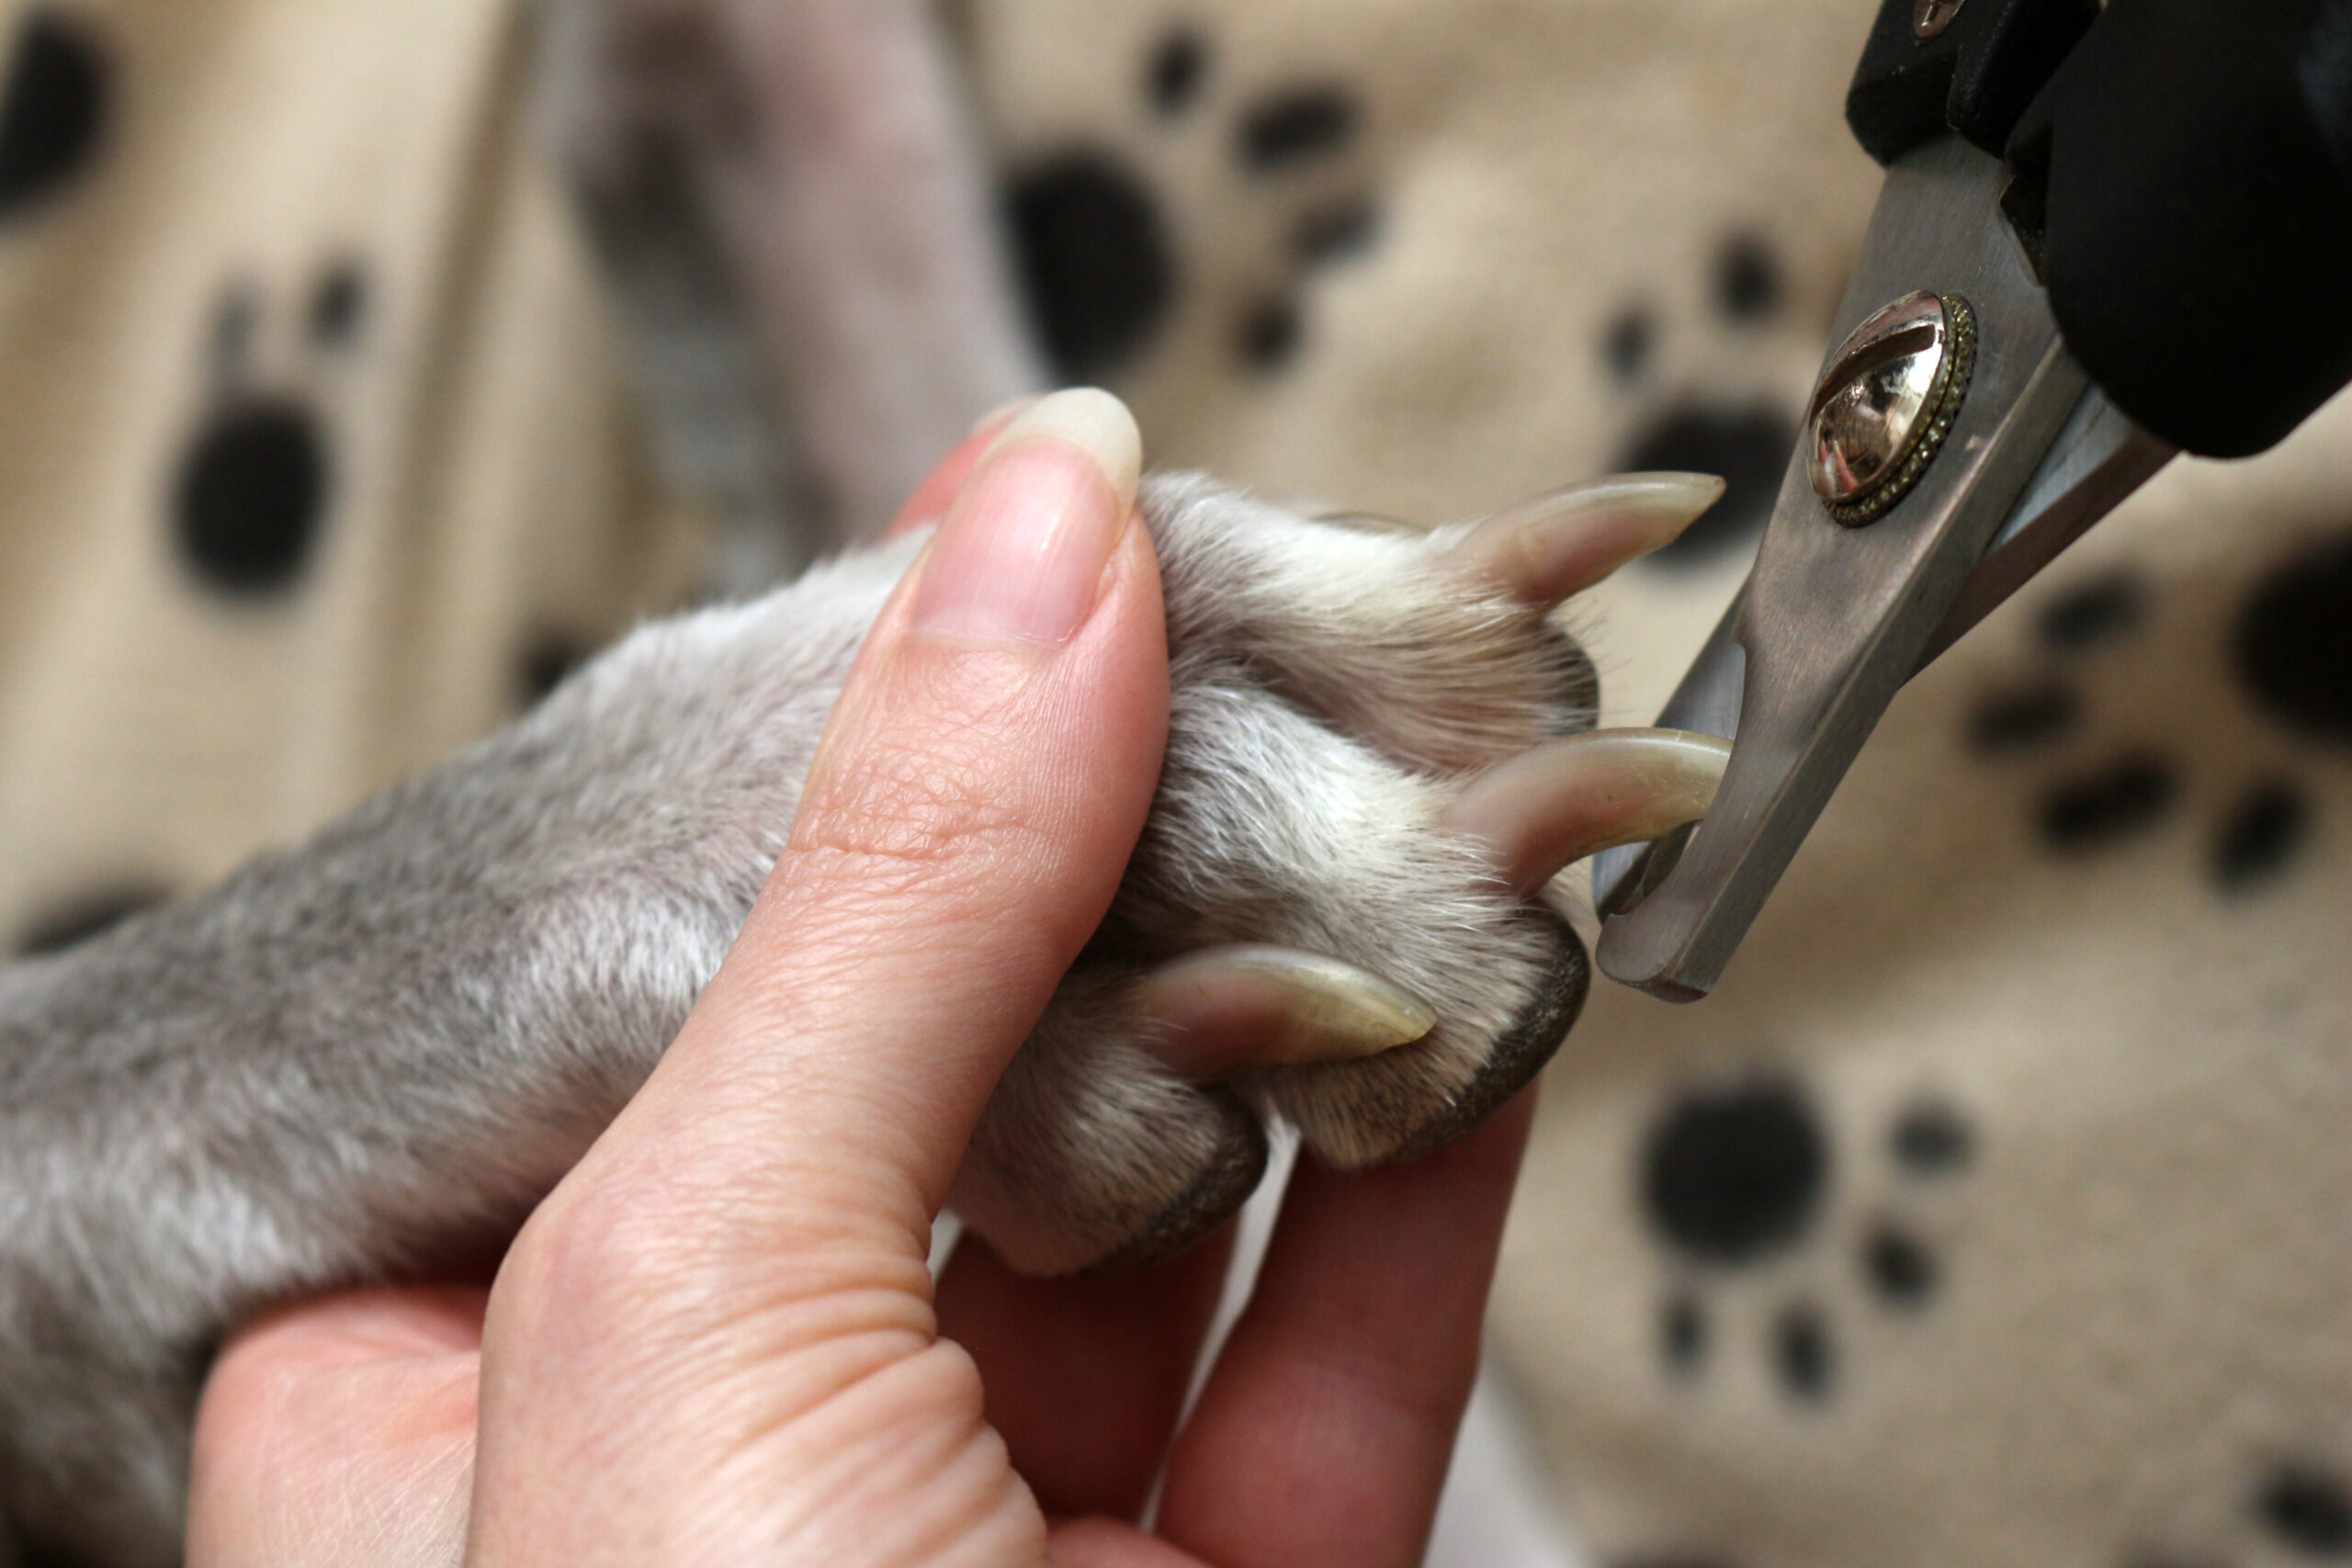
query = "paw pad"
x=2291 y=653
x=1701 y=430
x=2298 y=1511
x=53 y=113
x=1737 y=1180
x=256 y=480
x=1098 y=248
x=2307 y=1511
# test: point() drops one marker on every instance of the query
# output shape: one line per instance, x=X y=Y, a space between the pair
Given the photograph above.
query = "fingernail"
x=1020 y=554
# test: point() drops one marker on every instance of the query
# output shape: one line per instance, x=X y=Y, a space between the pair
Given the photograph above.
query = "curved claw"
x=1229 y=1010
x=1547 y=808
x=1542 y=551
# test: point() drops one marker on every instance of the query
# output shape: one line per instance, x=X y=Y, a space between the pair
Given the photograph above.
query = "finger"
x=341 y=1432
x=1541 y=551
x=1548 y=808
x=940 y=488
x=969 y=811
x=1085 y=1377
x=743 y=1253
x=1323 y=1435
x=1229 y=1010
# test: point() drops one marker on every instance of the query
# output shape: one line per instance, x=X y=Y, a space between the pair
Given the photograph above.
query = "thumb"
x=747 y=1240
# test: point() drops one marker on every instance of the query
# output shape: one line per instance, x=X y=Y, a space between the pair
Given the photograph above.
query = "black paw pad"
x=1334 y=234
x=2260 y=836
x=2293 y=642
x=2119 y=801
x=1682 y=1333
x=1731 y=1176
x=1749 y=286
x=1270 y=334
x=2307 y=1511
x=2025 y=719
x=1901 y=1271
x=1931 y=1139
x=2103 y=609
x=1295 y=126
x=1738 y=1178
x=53 y=112
x=251 y=494
x=1802 y=1354
x=1629 y=344
x=339 y=305
x=1176 y=72
x=1095 y=261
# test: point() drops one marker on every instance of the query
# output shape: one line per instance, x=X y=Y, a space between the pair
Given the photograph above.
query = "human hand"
x=717 y=1341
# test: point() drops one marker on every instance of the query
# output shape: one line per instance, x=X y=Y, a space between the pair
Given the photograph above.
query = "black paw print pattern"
x=1735 y=1176
x=248 y=497
x=2290 y=650
x=1099 y=262
x=53 y=111
x=2297 y=1512
x=255 y=482
x=1747 y=443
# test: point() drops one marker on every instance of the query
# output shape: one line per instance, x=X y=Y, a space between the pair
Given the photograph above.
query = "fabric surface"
x=1996 y=1210
x=315 y=457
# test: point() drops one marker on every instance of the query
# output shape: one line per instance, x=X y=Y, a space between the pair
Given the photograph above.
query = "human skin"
x=717 y=1341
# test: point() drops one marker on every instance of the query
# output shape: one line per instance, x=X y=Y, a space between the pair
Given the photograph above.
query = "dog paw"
x=1379 y=753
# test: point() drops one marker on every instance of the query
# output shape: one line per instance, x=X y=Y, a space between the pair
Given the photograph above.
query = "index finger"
x=740 y=1257
x=980 y=785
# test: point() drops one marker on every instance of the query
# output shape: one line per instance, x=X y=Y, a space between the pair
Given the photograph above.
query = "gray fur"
x=365 y=1057
x=791 y=204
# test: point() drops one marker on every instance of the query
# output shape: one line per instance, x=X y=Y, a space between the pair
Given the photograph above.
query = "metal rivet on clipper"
x=1929 y=17
x=1886 y=403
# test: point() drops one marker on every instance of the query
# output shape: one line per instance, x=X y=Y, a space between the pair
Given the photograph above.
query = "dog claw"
x=1229 y=1010
x=1542 y=551
x=1548 y=808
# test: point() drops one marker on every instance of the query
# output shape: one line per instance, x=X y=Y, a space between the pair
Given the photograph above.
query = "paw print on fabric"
x=53 y=111
x=2295 y=1511
x=1099 y=259
x=1745 y=435
x=2290 y=651
x=1735 y=1181
x=253 y=486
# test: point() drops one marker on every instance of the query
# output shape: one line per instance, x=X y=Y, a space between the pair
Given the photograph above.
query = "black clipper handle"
x=2183 y=179
x=1975 y=76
